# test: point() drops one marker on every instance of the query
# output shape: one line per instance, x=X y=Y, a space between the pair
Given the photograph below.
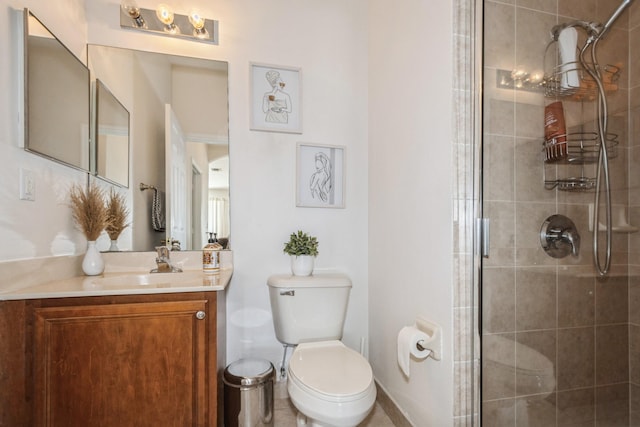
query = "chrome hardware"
x=482 y=236
x=288 y=293
x=419 y=345
x=559 y=237
x=201 y=315
x=163 y=262
x=485 y=225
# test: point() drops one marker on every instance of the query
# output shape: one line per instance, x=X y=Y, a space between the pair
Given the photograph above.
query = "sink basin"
x=152 y=280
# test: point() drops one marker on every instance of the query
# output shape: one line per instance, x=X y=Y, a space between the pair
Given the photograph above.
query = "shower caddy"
x=577 y=149
x=581 y=147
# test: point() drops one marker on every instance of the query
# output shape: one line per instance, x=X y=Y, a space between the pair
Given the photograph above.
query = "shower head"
x=616 y=14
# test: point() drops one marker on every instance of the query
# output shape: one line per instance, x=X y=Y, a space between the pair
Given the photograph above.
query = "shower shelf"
x=580 y=148
x=571 y=184
x=554 y=82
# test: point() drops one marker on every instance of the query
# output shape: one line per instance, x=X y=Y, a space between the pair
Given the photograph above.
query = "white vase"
x=302 y=265
x=114 y=246
x=92 y=264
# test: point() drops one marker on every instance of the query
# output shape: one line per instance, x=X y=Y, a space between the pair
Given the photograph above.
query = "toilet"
x=330 y=384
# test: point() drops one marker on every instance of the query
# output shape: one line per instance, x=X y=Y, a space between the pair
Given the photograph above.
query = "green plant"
x=301 y=244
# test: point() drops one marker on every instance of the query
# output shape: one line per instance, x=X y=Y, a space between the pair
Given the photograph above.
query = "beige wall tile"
x=612 y=405
x=576 y=408
x=612 y=348
x=576 y=300
x=499 y=35
x=498 y=300
x=577 y=9
x=576 y=360
x=535 y=298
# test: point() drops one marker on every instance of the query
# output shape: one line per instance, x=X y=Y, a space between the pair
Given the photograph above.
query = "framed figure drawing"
x=320 y=176
x=276 y=98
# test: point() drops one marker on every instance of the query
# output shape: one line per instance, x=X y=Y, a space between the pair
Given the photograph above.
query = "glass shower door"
x=560 y=342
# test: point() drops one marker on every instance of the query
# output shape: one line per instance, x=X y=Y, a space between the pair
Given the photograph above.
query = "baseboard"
x=390 y=408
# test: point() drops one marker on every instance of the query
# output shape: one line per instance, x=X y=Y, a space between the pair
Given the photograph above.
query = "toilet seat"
x=331 y=371
x=330 y=383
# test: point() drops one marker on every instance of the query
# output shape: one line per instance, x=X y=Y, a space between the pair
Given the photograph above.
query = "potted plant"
x=303 y=249
x=117 y=213
x=90 y=214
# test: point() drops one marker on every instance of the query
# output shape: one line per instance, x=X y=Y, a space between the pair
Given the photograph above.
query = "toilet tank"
x=308 y=308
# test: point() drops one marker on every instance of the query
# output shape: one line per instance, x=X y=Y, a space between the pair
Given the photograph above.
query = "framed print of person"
x=320 y=176
x=276 y=97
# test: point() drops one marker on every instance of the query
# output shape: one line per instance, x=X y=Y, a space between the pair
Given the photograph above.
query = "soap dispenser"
x=211 y=255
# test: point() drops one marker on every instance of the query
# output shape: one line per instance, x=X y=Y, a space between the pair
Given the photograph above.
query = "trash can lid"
x=248 y=372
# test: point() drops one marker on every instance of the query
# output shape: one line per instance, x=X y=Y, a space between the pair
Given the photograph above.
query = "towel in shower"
x=157 y=210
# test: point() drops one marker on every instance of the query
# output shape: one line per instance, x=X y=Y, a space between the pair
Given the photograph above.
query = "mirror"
x=56 y=98
x=179 y=144
x=111 y=136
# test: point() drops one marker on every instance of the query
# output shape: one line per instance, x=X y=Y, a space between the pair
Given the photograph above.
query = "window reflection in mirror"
x=196 y=90
x=57 y=98
x=111 y=137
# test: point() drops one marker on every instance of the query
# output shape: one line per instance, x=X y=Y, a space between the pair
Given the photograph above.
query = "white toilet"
x=330 y=384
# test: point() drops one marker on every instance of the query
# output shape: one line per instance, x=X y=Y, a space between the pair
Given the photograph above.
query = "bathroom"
x=359 y=240
x=405 y=257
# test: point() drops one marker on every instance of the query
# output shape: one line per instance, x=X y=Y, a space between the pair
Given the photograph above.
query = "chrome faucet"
x=163 y=262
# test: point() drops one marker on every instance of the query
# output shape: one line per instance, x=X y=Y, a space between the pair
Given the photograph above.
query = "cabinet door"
x=121 y=365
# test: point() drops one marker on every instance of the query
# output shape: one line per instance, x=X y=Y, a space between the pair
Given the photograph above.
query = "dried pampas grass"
x=117 y=213
x=88 y=210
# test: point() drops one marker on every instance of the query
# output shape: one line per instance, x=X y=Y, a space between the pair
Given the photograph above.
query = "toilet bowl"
x=330 y=384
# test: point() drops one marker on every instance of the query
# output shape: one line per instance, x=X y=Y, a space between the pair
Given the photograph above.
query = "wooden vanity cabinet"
x=146 y=360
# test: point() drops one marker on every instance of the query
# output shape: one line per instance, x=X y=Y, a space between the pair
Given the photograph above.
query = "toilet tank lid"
x=317 y=280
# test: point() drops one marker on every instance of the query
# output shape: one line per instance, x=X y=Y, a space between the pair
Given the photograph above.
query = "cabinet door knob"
x=201 y=315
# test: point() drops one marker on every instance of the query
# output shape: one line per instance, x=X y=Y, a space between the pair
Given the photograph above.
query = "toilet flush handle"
x=290 y=293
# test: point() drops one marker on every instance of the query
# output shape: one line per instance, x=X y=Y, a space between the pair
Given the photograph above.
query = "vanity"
x=125 y=348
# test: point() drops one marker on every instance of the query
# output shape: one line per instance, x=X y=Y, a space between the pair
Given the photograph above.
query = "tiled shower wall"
x=466 y=354
x=634 y=203
x=574 y=339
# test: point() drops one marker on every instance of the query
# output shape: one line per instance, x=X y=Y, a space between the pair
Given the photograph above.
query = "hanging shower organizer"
x=580 y=147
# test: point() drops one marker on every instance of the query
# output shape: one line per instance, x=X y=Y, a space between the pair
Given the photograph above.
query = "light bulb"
x=165 y=15
x=196 y=20
x=133 y=11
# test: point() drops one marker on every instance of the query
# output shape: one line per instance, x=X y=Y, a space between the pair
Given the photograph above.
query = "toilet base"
x=303 y=421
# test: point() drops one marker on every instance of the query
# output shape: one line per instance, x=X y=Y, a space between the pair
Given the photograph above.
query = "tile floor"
x=284 y=413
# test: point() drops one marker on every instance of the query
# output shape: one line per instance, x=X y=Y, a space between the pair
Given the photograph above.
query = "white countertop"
x=125 y=283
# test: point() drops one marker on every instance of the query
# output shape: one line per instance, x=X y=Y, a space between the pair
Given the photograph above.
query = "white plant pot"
x=302 y=265
x=114 y=246
x=92 y=264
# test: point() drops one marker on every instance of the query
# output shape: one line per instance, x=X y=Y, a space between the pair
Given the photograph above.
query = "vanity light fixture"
x=164 y=21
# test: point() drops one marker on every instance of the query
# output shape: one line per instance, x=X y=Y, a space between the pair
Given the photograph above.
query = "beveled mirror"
x=56 y=97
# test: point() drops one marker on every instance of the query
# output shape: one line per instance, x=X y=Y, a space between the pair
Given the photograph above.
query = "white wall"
x=410 y=185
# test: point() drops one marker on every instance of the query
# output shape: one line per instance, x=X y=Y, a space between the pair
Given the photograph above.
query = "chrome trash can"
x=248 y=393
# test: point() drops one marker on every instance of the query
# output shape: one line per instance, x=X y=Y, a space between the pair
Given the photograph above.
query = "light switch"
x=27 y=185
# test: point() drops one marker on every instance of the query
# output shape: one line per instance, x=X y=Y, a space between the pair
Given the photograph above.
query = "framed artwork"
x=320 y=176
x=276 y=98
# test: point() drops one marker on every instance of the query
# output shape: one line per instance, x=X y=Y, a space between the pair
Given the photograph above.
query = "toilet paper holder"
x=434 y=343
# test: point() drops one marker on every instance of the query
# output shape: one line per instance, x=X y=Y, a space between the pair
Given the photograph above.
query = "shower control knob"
x=559 y=237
